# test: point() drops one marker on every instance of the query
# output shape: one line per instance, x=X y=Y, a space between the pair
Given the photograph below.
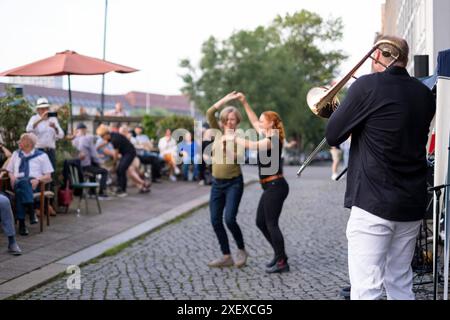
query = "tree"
x=275 y=66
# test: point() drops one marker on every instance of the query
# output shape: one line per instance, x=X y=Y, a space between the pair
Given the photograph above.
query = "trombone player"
x=388 y=115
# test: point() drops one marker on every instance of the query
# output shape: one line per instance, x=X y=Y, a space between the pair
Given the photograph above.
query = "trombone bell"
x=317 y=103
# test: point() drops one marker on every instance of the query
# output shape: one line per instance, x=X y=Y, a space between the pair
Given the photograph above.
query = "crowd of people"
x=113 y=155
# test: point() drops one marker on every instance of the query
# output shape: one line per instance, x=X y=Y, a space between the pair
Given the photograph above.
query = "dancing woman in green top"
x=227 y=186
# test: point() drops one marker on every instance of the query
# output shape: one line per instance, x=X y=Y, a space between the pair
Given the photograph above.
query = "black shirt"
x=121 y=143
x=267 y=165
x=388 y=115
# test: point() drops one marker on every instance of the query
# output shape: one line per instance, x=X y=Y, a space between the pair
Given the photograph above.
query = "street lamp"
x=104 y=56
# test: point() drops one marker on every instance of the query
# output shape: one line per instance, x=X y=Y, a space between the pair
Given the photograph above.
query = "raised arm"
x=250 y=113
x=7 y=153
x=210 y=114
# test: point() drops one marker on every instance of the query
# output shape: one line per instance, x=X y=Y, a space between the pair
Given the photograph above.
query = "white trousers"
x=380 y=253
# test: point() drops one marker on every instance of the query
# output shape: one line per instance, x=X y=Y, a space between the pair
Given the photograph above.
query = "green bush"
x=15 y=112
x=175 y=122
x=149 y=123
x=155 y=126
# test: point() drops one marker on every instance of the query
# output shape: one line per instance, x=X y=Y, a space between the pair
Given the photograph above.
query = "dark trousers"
x=154 y=161
x=95 y=170
x=185 y=169
x=226 y=195
x=268 y=214
x=51 y=153
x=24 y=197
x=201 y=170
x=124 y=164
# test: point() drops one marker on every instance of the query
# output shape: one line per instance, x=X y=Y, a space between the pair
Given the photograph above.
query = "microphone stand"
x=341 y=174
x=437 y=191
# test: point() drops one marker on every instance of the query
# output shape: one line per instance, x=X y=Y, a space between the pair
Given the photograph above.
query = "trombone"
x=323 y=101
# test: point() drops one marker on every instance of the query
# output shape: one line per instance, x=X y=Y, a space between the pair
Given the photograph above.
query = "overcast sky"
x=153 y=36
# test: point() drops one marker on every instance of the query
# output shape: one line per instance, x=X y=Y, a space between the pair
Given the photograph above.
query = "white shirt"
x=46 y=135
x=39 y=166
x=85 y=144
x=167 y=146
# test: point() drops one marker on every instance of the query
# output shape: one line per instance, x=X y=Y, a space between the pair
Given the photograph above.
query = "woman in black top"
x=276 y=188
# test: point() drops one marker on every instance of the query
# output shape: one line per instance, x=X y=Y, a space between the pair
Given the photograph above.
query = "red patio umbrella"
x=67 y=63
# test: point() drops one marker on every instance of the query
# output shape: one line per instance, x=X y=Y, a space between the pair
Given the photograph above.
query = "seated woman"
x=167 y=149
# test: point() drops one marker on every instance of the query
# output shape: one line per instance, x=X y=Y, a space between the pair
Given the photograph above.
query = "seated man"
x=105 y=151
x=7 y=221
x=89 y=157
x=146 y=153
x=188 y=150
x=27 y=168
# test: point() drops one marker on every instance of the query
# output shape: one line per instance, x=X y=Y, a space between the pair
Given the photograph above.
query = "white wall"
x=441 y=26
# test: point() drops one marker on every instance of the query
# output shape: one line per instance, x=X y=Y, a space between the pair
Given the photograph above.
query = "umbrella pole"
x=70 y=122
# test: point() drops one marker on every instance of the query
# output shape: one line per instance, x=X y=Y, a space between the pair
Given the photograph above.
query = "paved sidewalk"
x=73 y=240
x=171 y=262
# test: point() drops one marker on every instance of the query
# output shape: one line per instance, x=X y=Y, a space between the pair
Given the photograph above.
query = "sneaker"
x=177 y=171
x=121 y=194
x=173 y=178
x=241 y=258
x=14 y=249
x=23 y=231
x=334 y=176
x=271 y=263
x=103 y=197
x=279 y=267
x=225 y=261
x=33 y=218
x=144 y=190
x=201 y=183
x=345 y=293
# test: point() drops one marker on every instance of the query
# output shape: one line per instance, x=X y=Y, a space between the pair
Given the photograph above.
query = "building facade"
x=48 y=82
x=87 y=103
x=425 y=24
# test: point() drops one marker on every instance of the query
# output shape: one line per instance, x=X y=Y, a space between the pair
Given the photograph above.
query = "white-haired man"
x=46 y=127
x=27 y=168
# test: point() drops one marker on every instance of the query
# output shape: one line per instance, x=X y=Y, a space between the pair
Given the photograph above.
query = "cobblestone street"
x=171 y=262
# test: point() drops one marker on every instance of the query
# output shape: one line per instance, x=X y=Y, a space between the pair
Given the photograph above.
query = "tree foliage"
x=15 y=112
x=275 y=66
x=155 y=126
